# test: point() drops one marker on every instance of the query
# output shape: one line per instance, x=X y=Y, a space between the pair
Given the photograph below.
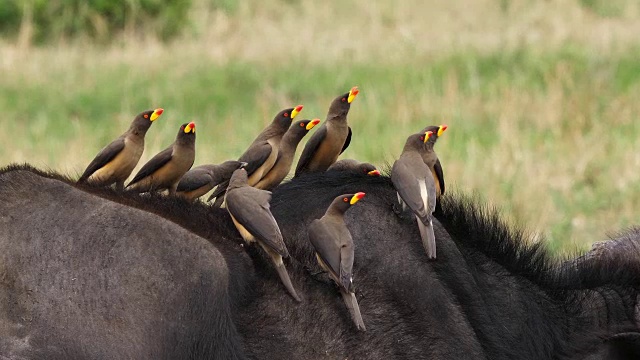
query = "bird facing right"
x=115 y=162
x=416 y=187
x=334 y=248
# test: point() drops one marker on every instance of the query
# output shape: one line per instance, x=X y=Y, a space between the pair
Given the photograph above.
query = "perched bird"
x=199 y=180
x=249 y=210
x=354 y=166
x=431 y=159
x=165 y=169
x=416 y=187
x=334 y=247
x=331 y=139
x=115 y=162
x=263 y=151
x=286 y=152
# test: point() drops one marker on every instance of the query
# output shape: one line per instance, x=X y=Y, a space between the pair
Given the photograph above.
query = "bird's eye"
x=146 y=116
x=286 y=114
x=422 y=138
x=301 y=124
x=364 y=171
x=344 y=99
x=345 y=199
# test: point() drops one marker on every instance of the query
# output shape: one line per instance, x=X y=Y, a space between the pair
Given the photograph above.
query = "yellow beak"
x=191 y=127
x=427 y=135
x=312 y=124
x=156 y=114
x=442 y=129
x=356 y=197
x=352 y=94
x=296 y=111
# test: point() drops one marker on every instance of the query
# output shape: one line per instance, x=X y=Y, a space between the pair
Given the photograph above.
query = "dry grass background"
x=541 y=96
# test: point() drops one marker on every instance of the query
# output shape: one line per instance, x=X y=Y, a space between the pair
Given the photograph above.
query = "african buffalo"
x=95 y=273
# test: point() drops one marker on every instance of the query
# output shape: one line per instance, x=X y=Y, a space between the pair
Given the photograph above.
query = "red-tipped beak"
x=442 y=129
x=156 y=113
x=352 y=94
x=356 y=197
x=190 y=128
x=374 y=173
x=313 y=123
x=296 y=111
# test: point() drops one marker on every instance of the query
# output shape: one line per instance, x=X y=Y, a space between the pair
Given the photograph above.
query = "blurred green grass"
x=547 y=132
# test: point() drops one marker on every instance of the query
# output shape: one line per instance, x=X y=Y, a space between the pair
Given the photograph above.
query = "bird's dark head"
x=239 y=178
x=284 y=117
x=417 y=141
x=369 y=169
x=300 y=128
x=340 y=106
x=344 y=202
x=143 y=121
x=437 y=129
x=187 y=132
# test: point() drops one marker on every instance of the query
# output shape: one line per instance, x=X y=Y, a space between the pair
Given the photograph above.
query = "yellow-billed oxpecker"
x=416 y=187
x=354 y=166
x=249 y=210
x=331 y=138
x=431 y=159
x=115 y=162
x=286 y=153
x=165 y=169
x=334 y=247
x=263 y=151
x=199 y=180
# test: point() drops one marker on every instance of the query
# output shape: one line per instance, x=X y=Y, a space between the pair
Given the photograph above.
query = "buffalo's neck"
x=509 y=314
x=605 y=311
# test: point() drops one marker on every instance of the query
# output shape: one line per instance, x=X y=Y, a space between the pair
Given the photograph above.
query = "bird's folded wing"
x=255 y=156
x=250 y=207
x=347 y=141
x=310 y=149
x=153 y=165
x=410 y=189
x=438 y=170
x=194 y=179
x=104 y=156
x=323 y=238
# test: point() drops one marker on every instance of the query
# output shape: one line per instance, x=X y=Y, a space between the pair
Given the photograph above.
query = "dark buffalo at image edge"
x=489 y=295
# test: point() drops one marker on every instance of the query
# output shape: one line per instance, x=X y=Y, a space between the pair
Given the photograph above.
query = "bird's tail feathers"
x=284 y=277
x=354 y=309
x=428 y=237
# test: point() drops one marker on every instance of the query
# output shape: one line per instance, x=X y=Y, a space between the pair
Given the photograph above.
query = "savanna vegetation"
x=541 y=98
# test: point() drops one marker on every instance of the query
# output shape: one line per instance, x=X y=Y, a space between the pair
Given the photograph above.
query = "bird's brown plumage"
x=249 y=210
x=166 y=168
x=286 y=153
x=331 y=139
x=416 y=187
x=334 y=248
x=115 y=162
x=201 y=179
x=433 y=162
x=261 y=155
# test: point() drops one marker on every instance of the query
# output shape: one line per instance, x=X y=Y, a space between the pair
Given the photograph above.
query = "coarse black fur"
x=491 y=294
